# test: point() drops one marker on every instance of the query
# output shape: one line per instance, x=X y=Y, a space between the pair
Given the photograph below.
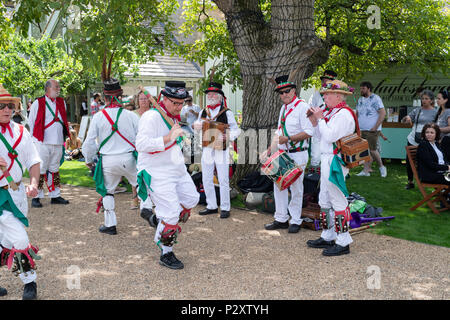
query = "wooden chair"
x=440 y=192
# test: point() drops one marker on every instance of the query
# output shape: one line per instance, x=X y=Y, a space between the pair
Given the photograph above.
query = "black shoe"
x=30 y=291
x=319 y=243
x=170 y=261
x=108 y=230
x=336 y=250
x=59 y=200
x=36 y=203
x=3 y=292
x=208 y=211
x=294 y=228
x=409 y=186
x=153 y=220
x=224 y=214
x=276 y=225
x=150 y=217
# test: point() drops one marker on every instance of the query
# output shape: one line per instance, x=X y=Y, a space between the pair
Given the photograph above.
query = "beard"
x=213 y=101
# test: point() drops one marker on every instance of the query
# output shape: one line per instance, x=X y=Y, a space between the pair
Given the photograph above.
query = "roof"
x=168 y=66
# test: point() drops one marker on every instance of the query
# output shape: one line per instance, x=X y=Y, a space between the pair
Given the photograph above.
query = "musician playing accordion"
x=218 y=122
x=292 y=136
x=330 y=126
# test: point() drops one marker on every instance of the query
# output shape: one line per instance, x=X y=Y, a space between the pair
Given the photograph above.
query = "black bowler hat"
x=215 y=87
x=282 y=82
x=112 y=87
x=175 y=89
x=329 y=74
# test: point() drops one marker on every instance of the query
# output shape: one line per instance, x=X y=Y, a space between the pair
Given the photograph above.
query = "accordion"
x=354 y=150
x=211 y=130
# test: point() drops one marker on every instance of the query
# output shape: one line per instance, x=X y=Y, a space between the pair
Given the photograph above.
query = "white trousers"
x=51 y=156
x=331 y=197
x=220 y=159
x=114 y=168
x=315 y=151
x=12 y=231
x=282 y=203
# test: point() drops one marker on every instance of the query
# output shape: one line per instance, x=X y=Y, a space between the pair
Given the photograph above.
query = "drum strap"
x=283 y=125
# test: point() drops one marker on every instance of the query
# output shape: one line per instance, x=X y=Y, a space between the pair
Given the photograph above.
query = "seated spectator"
x=431 y=161
x=73 y=146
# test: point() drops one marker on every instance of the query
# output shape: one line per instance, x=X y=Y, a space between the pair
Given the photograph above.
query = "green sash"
x=7 y=203
x=144 y=179
x=283 y=126
x=98 y=173
x=11 y=150
x=336 y=174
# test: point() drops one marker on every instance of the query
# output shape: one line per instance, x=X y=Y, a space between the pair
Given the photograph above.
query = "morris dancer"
x=17 y=153
x=162 y=172
x=292 y=135
x=217 y=110
x=116 y=129
x=331 y=126
x=49 y=128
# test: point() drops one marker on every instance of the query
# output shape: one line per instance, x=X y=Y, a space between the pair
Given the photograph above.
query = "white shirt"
x=234 y=130
x=27 y=153
x=438 y=153
x=100 y=129
x=150 y=138
x=54 y=134
x=340 y=125
x=190 y=117
x=368 y=111
x=296 y=122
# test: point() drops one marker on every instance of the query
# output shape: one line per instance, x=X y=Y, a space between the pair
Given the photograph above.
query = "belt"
x=6 y=187
x=297 y=150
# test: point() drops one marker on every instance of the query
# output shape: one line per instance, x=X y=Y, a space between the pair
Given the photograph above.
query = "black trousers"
x=408 y=167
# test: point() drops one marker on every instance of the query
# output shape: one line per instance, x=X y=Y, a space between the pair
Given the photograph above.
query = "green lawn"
x=421 y=225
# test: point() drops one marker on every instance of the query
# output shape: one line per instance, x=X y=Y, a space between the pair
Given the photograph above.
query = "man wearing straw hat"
x=116 y=129
x=292 y=135
x=330 y=126
x=17 y=153
x=162 y=173
x=49 y=128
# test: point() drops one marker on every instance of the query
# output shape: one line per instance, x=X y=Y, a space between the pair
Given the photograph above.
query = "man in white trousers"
x=219 y=158
x=162 y=174
x=116 y=129
x=330 y=126
x=293 y=131
x=17 y=153
x=49 y=128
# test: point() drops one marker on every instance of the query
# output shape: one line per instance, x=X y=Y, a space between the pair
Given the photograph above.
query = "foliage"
x=6 y=27
x=106 y=34
x=411 y=32
x=28 y=63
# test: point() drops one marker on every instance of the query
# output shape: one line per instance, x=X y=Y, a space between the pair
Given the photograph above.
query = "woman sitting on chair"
x=431 y=161
x=73 y=146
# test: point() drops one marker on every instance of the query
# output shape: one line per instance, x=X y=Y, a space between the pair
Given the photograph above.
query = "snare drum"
x=281 y=169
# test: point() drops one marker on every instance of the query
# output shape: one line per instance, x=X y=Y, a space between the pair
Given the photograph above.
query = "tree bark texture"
x=268 y=49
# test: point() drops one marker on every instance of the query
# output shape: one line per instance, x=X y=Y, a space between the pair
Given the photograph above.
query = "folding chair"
x=440 y=192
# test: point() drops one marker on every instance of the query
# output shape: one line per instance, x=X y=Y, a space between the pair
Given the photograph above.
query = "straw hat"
x=337 y=86
x=5 y=96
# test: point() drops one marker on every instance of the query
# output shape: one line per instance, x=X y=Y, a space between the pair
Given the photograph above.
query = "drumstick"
x=8 y=177
x=157 y=107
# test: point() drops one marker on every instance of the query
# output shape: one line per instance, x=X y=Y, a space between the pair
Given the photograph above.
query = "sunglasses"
x=175 y=103
x=10 y=105
x=285 y=91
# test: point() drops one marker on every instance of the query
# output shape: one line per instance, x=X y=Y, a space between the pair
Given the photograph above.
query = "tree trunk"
x=268 y=50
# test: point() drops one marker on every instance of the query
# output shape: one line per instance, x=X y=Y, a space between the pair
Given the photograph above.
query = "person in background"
x=190 y=112
x=370 y=112
x=418 y=118
x=17 y=116
x=95 y=105
x=432 y=163
x=73 y=146
x=143 y=103
x=443 y=115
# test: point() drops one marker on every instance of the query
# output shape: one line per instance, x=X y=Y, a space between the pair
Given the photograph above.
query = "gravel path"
x=225 y=259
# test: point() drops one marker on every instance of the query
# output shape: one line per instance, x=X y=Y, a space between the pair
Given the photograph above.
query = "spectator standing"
x=443 y=114
x=370 y=111
x=95 y=105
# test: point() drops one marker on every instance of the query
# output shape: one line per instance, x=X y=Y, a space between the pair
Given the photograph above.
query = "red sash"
x=39 y=125
x=11 y=155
